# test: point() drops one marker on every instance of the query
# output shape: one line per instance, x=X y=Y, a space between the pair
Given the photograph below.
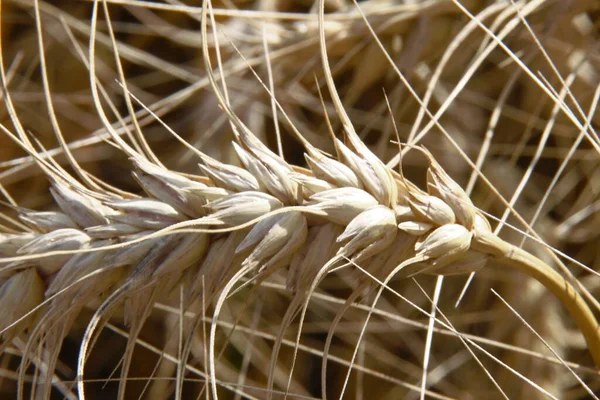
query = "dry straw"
x=205 y=238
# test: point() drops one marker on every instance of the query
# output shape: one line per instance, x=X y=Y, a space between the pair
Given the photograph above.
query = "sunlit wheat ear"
x=433 y=232
x=266 y=216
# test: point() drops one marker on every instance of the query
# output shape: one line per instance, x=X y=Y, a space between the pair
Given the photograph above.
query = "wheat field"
x=294 y=199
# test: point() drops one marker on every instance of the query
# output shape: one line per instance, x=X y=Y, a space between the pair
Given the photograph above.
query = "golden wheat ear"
x=446 y=235
x=236 y=225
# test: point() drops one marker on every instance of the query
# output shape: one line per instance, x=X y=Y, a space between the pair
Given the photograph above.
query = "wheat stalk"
x=207 y=233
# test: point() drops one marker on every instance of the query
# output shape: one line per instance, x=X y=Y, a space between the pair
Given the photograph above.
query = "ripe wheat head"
x=210 y=235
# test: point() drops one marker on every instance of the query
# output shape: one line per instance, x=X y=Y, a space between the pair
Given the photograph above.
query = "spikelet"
x=274 y=240
x=445 y=240
x=368 y=233
x=332 y=171
x=321 y=246
x=441 y=185
x=240 y=208
x=84 y=210
x=342 y=205
x=19 y=295
x=58 y=240
x=145 y=213
x=169 y=187
x=229 y=177
x=47 y=221
x=11 y=243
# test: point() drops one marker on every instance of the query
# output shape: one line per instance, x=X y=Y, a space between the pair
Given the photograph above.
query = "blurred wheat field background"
x=513 y=87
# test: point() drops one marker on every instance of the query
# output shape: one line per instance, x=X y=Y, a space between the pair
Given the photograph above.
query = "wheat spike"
x=208 y=235
x=450 y=238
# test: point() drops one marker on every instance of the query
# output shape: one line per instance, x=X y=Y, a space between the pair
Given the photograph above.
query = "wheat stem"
x=519 y=259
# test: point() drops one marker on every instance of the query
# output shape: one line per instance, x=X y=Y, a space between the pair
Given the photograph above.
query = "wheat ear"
x=266 y=215
x=451 y=236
